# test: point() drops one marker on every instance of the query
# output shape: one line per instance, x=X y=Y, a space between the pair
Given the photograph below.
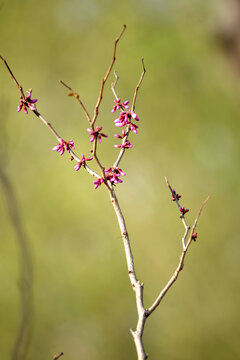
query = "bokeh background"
x=189 y=113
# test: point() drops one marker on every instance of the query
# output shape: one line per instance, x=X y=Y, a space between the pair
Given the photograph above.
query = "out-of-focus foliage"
x=189 y=130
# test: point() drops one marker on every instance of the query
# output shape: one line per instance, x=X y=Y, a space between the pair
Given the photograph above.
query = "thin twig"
x=114 y=85
x=179 y=267
x=56 y=357
x=77 y=97
x=13 y=77
x=122 y=151
x=106 y=76
x=187 y=228
x=138 y=85
x=47 y=124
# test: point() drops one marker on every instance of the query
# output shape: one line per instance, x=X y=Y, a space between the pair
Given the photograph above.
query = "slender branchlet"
x=111 y=177
x=56 y=357
x=96 y=111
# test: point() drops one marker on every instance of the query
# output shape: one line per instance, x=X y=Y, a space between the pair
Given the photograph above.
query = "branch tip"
x=56 y=357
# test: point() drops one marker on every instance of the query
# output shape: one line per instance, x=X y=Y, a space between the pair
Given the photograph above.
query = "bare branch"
x=179 y=267
x=107 y=75
x=136 y=285
x=138 y=85
x=76 y=95
x=114 y=85
x=187 y=228
x=56 y=357
x=13 y=77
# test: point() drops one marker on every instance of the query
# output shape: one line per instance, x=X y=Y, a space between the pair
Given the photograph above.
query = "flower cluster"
x=82 y=162
x=64 y=145
x=125 y=118
x=96 y=134
x=126 y=144
x=118 y=105
x=27 y=102
x=98 y=182
x=183 y=211
x=175 y=195
x=112 y=174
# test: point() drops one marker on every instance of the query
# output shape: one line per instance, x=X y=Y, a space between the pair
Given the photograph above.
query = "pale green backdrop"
x=189 y=113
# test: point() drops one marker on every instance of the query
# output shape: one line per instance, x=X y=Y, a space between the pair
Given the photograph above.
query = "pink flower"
x=118 y=105
x=183 y=210
x=194 y=236
x=64 y=145
x=125 y=118
x=177 y=196
x=96 y=134
x=27 y=103
x=126 y=145
x=119 y=136
x=113 y=174
x=82 y=162
x=98 y=182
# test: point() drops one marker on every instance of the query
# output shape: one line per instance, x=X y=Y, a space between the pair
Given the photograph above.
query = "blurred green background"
x=189 y=113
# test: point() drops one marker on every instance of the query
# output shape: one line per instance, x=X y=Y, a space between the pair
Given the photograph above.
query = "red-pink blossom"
x=97 y=183
x=183 y=210
x=82 y=162
x=118 y=105
x=125 y=145
x=64 y=145
x=113 y=174
x=125 y=118
x=96 y=134
x=27 y=102
x=194 y=236
x=175 y=195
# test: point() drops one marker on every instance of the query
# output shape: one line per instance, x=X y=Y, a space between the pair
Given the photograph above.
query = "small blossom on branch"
x=82 y=162
x=96 y=134
x=113 y=174
x=125 y=118
x=97 y=183
x=194 y=236
x=175 y=195
x=119 y=136
x=183 y=210
x=118 y=105
x=27 y=102
x=64 y=145
x=126 y=145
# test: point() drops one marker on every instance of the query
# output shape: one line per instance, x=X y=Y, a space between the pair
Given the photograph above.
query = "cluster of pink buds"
x=183 y=211
x=27 y=102
x=82 y=162
x=175 y=195
x=118 y=105
x=98 y=182
x=113 y=174
x=64 y=145
x=96 y=134
x=125 y=118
